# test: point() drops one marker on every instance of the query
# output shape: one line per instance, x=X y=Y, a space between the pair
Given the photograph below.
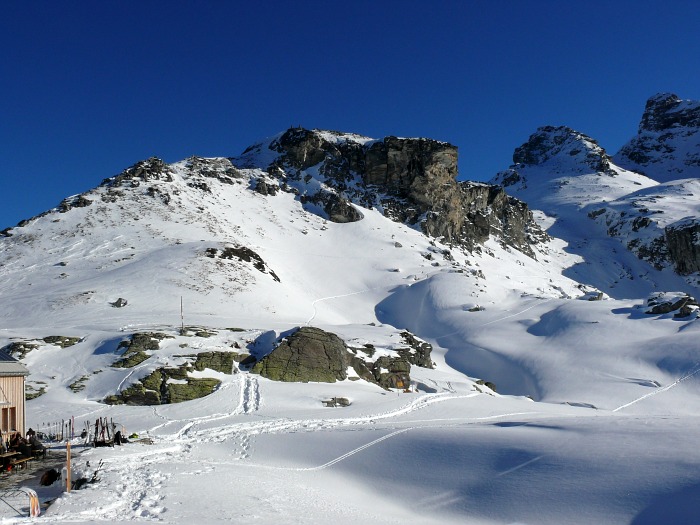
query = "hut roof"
x=9 y=366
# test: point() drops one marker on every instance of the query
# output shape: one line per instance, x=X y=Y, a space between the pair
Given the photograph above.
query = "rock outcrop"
x=310 y=354
x=659 y=224
x=413 y=181
x=667 y=145
x=683 y=244
x=164 y=386
x=661 y=303
x=314 y=355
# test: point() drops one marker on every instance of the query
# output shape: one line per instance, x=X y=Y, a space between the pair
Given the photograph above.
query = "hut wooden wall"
x=12 y=413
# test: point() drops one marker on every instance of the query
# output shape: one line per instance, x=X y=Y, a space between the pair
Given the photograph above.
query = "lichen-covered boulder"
x=136 y=348
x=165 y=386
x=310 y=354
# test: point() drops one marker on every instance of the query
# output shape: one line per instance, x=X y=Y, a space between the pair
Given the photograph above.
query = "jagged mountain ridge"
x=413 y=181
x=560 y=170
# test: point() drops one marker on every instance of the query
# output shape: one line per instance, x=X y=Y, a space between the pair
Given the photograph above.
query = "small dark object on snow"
x=49 y=477
x=78 y=483
x=119 y=303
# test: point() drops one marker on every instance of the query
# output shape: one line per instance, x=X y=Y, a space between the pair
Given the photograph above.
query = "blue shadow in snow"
x=109 y=346
x=680 y=507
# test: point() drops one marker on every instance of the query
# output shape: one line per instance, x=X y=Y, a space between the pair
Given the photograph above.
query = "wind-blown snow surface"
x=595 y=420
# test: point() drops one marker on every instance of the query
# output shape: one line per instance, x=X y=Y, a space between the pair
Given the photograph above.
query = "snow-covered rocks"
x=679 y=303
x=667 y=146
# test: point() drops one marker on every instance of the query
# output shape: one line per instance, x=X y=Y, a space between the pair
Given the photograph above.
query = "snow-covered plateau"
x=555 y=395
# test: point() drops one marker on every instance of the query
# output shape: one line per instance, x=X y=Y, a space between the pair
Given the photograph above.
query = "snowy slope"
x=581 y=192
x=595 y=399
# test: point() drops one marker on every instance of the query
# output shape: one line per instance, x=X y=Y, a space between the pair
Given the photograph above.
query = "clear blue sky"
x=89 y=88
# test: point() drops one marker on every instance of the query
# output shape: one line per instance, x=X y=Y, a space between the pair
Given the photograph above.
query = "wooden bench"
x=20 y=463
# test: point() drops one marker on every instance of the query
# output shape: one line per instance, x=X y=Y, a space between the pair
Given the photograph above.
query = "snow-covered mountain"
x=478 y=350
x=667 y=146
x=567 y=175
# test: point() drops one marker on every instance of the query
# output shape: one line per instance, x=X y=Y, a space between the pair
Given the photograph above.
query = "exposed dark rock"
x=683 y=247
x=78 y=201
x=217 y=361
x=559 y=148
x=336 y=208
x=412 y=180
x=487 y=384
x=79 y=384
x=19 y=349
x=143 y=171
x=34 y=390
x=392 y=372
x=265 y=188
x=219 y=169
x=119 y=303
x=242 y=253
x=158 y=193
x=309 y=354
x=685 y=311
x=336 y=402
x=661 y=303
x=665 y=110
x=418 y=352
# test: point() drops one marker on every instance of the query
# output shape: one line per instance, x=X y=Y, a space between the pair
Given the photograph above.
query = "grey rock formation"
x=411 y=180
x=683 y=247
x=143 y=171
x=667 y=145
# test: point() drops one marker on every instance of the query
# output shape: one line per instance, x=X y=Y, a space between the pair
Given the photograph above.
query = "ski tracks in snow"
x=678 y=381
x=331 y=297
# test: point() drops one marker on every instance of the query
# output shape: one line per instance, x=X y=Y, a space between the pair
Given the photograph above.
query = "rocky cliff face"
x=413 y=181
x=667 y=145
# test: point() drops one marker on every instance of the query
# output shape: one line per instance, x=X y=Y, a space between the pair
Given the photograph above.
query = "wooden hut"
x=12 y=377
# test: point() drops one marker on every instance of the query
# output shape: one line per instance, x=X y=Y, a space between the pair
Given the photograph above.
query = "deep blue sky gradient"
x=90 y=88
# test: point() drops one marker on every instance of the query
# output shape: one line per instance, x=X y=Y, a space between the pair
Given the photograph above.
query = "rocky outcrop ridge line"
x=413 y=181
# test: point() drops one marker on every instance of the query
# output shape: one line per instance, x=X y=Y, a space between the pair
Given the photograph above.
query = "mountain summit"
x=667 y=145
